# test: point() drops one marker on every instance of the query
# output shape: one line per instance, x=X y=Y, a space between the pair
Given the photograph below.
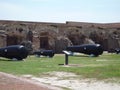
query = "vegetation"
x=103 y=67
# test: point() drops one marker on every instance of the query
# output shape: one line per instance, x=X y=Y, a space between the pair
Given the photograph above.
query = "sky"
x=60 y=11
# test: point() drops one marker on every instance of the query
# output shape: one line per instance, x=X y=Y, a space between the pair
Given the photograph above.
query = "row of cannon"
x=20 y=52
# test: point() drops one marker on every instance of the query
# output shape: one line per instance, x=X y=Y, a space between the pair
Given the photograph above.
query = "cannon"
x=89 y=49
x=49 y=53
x=18 y=52
x=117 y=50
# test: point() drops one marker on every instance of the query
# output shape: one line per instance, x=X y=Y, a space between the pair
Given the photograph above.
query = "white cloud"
x=12 y=11
x=52 y=12
x=9 y=7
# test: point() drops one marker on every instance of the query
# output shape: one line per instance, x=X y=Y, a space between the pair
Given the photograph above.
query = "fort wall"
x=57 y=36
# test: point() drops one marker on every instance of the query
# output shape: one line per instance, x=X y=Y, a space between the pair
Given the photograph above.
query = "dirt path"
x=53 y=80
x=10 y=82
x=72 y=81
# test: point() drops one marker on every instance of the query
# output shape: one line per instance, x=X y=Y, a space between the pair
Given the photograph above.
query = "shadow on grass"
x=5 y=59
x=81 y=56
x=84 y=56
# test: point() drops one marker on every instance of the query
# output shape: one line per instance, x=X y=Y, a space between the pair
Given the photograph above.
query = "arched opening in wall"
x=12 y=40
x=44 y=42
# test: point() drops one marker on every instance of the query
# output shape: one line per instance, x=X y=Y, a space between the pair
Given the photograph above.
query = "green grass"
x=103 y=67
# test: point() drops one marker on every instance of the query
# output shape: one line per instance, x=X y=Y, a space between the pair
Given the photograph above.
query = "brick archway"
x=12 y=40
x=44 y=42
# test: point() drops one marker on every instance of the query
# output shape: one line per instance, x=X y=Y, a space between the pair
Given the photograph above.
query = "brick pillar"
x=2 y=40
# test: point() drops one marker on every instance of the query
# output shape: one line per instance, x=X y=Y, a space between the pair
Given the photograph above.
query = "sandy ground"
x=72 y=82
x=53 y=81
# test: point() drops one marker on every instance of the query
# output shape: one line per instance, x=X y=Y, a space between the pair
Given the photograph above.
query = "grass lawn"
x=103 y=67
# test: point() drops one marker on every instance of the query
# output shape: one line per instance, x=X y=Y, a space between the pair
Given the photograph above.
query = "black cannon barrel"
x=18 y=52
x=90 y=49
x=49 y=53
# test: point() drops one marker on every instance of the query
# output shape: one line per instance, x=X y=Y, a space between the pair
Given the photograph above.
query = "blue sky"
x=98 y=11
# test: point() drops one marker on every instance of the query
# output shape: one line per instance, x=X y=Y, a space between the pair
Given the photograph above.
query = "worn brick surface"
x=10 y=82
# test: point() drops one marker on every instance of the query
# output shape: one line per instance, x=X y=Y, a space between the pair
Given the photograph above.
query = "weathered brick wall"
x=58 y=36
x=2 y=38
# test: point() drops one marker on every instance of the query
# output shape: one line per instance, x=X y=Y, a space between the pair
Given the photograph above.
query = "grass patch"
x=103 y=67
